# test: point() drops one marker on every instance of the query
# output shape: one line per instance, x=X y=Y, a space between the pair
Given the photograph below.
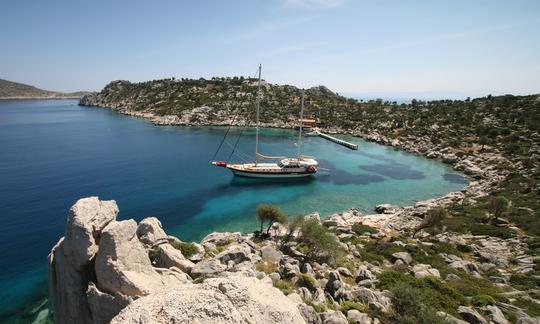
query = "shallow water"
x=55 y=152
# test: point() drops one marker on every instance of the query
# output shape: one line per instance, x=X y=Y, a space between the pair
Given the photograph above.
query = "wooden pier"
x=337 y=140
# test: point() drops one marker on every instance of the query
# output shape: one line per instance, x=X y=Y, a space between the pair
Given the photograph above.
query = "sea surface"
x=53 y=152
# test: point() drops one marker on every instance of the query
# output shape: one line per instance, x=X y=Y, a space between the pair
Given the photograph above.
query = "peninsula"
x=15 y=90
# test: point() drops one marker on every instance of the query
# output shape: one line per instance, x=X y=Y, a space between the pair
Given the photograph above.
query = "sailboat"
x=282 y=167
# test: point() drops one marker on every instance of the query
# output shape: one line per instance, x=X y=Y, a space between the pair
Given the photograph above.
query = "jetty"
x=335 y=140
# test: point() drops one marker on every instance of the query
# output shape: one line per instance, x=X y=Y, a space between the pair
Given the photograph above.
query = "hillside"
x=14 y=90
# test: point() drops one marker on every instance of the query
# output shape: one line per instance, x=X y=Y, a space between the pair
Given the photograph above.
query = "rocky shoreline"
x=137 y=293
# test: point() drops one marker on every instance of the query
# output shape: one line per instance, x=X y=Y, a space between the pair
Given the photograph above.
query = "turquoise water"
x=55 y=152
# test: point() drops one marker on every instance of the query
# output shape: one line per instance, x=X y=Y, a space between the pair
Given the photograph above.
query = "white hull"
x=270 y=176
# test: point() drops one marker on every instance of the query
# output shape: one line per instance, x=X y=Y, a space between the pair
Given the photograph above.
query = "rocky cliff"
x=105 y=270
x=102 y=270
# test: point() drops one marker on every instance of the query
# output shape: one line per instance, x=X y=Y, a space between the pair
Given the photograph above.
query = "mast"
x=301 y=126
x=257 y=127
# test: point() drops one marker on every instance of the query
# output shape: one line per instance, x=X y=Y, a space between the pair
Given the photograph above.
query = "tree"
x=497 y=207
x=433 y=218
x=271 y=214
x=483 y=141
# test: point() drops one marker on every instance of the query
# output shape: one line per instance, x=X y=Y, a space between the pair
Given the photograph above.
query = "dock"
x=336 y=140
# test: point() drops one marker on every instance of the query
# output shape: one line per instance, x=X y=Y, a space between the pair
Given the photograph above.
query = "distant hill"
x=14 y=90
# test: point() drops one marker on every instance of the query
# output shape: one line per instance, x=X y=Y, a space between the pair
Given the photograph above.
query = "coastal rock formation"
x=219 y=300
x=70 y=261
x=106 y=270
x=103 y=266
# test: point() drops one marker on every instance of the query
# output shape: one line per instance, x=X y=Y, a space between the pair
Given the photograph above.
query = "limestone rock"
x=169 y=257
x=122 y=263
x=403 y=256
x=207 y=268
x=270 y=254
x=372 y=297
x=103 y=307
x=354 y=316
x=218 y=300
x=333 y=317
x=309 y=314
x=86 y=219
x=495 y=315
x=150 y=231
x=70 y=261
x=471 y=315
x=424 y=270
x=222 y=238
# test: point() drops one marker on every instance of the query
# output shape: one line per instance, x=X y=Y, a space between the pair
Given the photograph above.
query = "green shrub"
x=285 y=286
x=350 y=304
x=306 y=280
x=524 y=282
x=323 y=245
x=409 y=307
x=491 y=230
x=532 y=308
x=482 y=300
x=360 y=229
x=187 y=249
x=464 y=248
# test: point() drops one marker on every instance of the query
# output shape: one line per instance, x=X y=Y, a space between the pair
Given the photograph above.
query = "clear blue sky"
x=398 y=48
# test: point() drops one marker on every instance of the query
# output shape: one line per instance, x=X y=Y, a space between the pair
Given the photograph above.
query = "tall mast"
x=258 y=108
x=301 y=125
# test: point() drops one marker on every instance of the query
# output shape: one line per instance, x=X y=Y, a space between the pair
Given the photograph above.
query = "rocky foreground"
x=105 y=270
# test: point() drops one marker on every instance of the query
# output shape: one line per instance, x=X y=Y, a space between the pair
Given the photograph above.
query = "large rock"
x=270 y=254
x=169 y=257
x=223 y=238
x=471 y=315
x=150 y=231
x=333 y=317
x=122 y=263
x=85 y=221
x=372 y=297
x=219 y=300
x=207 y=268
x=103 y=307
x=495 y=315
x=70 y=261
x=354 y=316
x=403 y=256
x=424 y=270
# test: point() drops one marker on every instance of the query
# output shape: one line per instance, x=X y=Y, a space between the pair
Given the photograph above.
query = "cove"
x=54 y=152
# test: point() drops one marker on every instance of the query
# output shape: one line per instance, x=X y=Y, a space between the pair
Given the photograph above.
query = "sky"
x=378 y=48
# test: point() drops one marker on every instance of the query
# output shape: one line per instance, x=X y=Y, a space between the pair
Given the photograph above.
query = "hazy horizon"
x=386 y=49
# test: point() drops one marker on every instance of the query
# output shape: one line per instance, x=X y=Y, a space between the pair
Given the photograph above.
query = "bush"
x=305 y=280
x=360 y=229
x=285 y=286
x=524 y=282
x=187 y=249
x=323 y=246
x=531 y=307
x=464 y=248
x=409 y=307
x=491 y=230
x=432 y=219
x=350 y=304
x=266 y=267
x=482 y=300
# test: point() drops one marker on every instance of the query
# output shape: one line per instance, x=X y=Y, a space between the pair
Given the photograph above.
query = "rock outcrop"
x=106 y=270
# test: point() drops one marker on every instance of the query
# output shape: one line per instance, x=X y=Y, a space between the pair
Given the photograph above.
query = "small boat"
x=284 y=167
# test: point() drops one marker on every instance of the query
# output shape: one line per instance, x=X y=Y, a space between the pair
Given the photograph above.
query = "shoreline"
x=482 y=177
x=38 y=98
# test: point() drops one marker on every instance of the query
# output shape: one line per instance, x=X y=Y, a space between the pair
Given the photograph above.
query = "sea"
x=54 y=152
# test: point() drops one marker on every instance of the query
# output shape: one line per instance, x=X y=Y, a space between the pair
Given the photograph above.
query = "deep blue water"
x=54 y=152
